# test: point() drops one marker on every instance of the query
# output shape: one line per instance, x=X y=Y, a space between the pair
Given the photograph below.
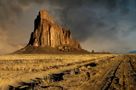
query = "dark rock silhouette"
x=49 y=37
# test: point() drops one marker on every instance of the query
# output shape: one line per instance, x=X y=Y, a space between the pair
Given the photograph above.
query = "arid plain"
x=67 y=72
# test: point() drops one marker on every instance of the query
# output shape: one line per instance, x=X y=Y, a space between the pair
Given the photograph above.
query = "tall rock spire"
x=49 y=37
x=47 y=33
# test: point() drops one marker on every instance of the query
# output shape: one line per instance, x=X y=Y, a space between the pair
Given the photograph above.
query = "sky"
x=100 y=25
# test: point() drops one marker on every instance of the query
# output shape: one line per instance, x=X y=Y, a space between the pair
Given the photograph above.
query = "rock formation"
x=48 y=34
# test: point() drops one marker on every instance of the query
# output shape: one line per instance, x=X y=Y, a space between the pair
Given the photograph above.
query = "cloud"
x=6 y=46
x=101 y=44
x=111 y=20
x=11 y=13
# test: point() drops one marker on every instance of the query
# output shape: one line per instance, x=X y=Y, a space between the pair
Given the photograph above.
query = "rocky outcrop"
x=48 y=36
x=48 y=33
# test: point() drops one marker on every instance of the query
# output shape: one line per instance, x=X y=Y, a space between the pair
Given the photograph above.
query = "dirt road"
x=113 y=73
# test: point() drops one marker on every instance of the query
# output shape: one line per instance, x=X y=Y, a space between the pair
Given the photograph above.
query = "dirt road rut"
x=113 y=73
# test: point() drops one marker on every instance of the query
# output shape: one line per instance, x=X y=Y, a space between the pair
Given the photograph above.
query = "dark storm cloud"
x=11 y=10
x=102 y=18
x=88 y=16
x=108 y=19
x=99 y=21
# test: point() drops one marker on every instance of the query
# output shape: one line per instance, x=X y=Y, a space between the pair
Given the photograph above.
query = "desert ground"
x=68 y=72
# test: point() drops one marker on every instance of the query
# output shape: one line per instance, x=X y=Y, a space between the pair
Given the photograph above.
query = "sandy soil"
x=68 y=72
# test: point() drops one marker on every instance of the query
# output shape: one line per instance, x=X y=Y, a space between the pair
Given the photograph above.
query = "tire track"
x=110 y=77
x=121 y=77
x=131 y=75
x=117 y=73
x=57 y=76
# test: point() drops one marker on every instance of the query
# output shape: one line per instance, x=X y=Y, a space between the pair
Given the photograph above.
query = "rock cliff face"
x=49 y=37
x=48 y=33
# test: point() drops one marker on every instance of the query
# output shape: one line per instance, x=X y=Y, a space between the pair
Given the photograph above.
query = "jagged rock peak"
x=44 y=15
x=49 y=37
x=47 y=33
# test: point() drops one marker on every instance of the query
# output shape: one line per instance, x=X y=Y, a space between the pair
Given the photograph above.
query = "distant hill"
x=133 y=51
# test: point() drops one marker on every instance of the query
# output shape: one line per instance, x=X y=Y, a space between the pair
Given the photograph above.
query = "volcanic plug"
x=50 y=37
